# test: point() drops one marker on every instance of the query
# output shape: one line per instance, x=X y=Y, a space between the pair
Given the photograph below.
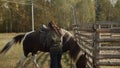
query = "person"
x=55 y=45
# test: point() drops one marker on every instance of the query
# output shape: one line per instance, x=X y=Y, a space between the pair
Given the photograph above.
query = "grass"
x=111 y=67
x=12 y=57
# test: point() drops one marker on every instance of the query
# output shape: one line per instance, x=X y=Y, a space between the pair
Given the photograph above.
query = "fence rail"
x=95 y=40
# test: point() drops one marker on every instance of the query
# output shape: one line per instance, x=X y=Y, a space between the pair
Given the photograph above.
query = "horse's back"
x=33 y=43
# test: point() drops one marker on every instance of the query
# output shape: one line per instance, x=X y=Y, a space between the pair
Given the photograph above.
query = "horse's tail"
x=16 y=39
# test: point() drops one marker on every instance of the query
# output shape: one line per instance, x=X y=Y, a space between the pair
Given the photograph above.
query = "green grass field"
x=12 y=57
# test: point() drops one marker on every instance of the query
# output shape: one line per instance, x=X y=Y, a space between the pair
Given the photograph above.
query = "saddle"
x=44 y=28
x=43 y=34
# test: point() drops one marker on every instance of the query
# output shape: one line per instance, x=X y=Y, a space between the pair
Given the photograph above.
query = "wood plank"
x=95 y=49
x=89 y=65
x=86 y=36
x=108 y=30
x=109 y=40
x=85 y=50
x=85 y=40
x=109 y=48
x=108 y=56
x=108 y=63
x=89 y=47
x=89 y=60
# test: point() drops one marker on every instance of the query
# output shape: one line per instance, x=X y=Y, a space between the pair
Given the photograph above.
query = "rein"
x=56 y=28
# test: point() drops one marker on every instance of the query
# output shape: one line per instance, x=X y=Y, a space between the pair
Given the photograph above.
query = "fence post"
x=95 y=47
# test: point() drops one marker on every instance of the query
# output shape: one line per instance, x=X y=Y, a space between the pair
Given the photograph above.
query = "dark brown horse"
x=31 y=43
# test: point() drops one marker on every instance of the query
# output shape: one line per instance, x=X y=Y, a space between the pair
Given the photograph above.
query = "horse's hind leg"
x=21 y=62
x=34 y=61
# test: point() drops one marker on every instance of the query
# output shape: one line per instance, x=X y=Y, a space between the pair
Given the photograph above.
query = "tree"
x=106 y=12
x=85 y=11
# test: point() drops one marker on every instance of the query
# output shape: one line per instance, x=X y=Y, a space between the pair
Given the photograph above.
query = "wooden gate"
x=100 y=41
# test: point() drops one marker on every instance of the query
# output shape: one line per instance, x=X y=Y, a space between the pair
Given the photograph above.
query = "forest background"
x=16 y=15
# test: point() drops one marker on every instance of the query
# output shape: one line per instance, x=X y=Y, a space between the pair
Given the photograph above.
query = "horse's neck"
x=65 y=32
x=67 y=35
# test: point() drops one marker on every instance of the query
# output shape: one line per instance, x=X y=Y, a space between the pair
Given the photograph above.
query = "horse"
x=31 y=44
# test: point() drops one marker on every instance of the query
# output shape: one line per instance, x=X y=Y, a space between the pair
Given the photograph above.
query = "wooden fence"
x=100 y=42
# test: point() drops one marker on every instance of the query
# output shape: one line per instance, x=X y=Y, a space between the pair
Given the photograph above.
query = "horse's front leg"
x=34 y=61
